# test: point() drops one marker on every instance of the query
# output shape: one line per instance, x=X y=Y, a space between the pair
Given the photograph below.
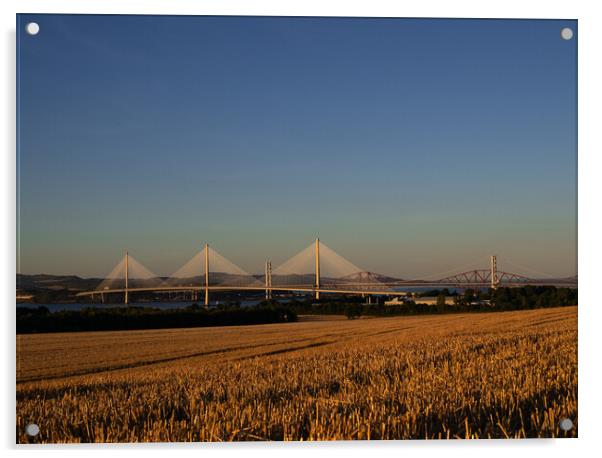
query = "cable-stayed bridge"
x=317 y=269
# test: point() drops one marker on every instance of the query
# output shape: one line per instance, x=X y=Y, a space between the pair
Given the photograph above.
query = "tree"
x=353 y=311
x=469 y=296
x=441 y=302
x=441 y=299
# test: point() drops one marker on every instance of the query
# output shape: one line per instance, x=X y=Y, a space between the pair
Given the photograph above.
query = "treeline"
x=523 y=298
x=40 y=319
x=530 y=297
x=329 y=306
x=437 y=292
x=520 y=298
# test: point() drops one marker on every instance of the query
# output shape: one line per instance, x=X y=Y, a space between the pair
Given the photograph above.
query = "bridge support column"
x=494 y=279
x=126 y=278
x=317 y=269
x=206 y=274
x=268 y=280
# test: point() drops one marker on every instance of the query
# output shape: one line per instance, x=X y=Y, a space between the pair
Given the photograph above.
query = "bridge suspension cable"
x=529 y=270
x=320 y=266
x=127 y=274
x=478 y=261
x=209 y=268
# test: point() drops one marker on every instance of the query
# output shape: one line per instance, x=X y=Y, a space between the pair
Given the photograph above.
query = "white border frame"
x=590 y=75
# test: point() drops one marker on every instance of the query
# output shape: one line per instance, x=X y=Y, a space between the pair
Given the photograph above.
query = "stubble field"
x=491 y=375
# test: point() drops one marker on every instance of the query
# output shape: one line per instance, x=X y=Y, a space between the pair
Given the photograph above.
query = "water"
x=423 y=289
x=160 y=305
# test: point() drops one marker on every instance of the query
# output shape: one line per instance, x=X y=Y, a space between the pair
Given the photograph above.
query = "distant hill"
x=54 y=282
x=309 y=279
x=369 y=277
x=74 y=283
x=38 y=282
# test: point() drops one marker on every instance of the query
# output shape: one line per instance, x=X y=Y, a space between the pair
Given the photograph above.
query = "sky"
x=409 y=146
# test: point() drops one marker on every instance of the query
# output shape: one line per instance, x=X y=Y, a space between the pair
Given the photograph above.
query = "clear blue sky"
x=409 y=146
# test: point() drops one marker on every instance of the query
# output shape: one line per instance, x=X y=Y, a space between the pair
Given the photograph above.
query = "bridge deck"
x=307 y=289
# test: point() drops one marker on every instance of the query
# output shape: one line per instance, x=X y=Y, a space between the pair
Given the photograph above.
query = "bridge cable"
x=528 y=269
x=457 y=269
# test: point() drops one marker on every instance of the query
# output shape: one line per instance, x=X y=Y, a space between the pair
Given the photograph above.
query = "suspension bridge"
x=315 y=270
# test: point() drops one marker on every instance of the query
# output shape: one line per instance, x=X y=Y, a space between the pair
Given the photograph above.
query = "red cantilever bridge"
x=316 y=269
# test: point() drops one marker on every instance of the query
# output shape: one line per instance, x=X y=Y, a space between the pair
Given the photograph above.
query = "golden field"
x=490 y=375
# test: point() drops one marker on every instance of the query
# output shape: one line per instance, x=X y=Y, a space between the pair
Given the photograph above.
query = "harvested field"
x=490 y=375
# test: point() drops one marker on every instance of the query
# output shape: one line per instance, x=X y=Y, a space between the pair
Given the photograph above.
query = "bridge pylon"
x=317 y=268
x=268 y=280
x=206 y=274
x=494 y=278
x=126 y=299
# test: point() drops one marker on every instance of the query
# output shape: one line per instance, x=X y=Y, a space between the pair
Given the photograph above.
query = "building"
x=397 y=300
x=432 y=300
